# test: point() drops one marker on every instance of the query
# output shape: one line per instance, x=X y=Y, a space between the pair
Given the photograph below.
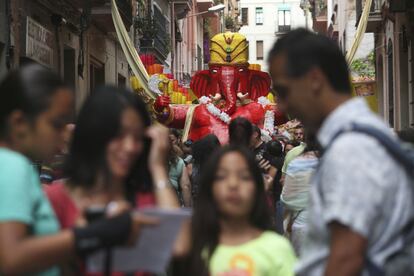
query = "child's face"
x=44 y=137
x=234 y=187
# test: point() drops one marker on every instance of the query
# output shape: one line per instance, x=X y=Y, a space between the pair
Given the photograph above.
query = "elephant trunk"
x=228 y=88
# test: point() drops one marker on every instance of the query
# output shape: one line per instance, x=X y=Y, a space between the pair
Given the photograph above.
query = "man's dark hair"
x=257 y=130
x=240 y=132
x=305 y=50
x=175 y=132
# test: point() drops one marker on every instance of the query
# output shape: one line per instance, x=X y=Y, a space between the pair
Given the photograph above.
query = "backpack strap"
x=394 y=149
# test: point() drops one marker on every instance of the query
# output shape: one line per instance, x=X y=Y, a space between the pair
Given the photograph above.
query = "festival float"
x=230 y=88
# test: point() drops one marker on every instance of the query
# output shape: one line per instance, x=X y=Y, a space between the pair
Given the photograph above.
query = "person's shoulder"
x=13 y=158
x=295 y=152
x=358 y=144
x=274 y=240
x=278 y=247
x=180 y=160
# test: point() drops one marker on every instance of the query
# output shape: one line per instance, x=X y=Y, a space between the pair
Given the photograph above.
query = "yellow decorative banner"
x=362 y=27
x=367 y=90
x=130 y=52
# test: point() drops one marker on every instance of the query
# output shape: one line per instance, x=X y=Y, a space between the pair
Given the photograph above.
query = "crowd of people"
x=319 y=199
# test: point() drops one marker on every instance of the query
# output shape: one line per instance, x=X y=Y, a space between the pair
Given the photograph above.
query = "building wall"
x=98 y=45
x=268 y=32
x=3 y=38
x=190 y=50
x=394 y=49
x=346 y=24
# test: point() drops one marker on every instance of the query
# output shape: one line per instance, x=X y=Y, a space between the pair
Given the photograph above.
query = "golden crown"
x=229 y=48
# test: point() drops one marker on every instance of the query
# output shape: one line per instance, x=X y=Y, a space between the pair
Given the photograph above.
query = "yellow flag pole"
x=130 y=52
x=362 y=27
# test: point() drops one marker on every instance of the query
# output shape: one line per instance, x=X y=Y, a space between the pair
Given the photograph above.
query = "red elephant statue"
x=229 y=89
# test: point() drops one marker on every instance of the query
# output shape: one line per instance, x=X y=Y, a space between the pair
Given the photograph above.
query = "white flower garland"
x=214 y=110
x=269 y=121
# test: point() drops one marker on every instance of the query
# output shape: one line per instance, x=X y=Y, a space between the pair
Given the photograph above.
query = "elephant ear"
x=200 y=83
x=259 y=84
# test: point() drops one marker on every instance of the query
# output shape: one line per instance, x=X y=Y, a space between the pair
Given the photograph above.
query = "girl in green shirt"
x=231 y=225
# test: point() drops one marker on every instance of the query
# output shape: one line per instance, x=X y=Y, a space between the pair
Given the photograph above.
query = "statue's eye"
x=214 y=71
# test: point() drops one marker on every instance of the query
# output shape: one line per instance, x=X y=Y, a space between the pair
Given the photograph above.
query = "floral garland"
x=214 y=110
x=269 y=122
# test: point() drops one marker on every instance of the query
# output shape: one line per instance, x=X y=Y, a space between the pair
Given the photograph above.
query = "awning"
x=283 y=7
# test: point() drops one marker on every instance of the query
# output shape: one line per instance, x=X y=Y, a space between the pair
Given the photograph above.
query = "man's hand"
x=264 y=164
x=347 y=251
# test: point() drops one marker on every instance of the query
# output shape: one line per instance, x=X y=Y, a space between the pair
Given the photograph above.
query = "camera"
x=95 y=213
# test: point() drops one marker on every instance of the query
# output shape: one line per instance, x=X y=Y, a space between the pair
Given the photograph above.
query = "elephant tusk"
x=242 y=96
x=216 y=97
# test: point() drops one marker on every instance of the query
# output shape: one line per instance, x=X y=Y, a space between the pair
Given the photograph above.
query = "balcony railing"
x=375 y=8
x=101 y=11
x=318 y=8
x=161 y=41
x=283 y=28
x=375 y=17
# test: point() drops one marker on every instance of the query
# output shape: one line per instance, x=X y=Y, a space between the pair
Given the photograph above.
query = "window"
x=121 y=81
x=96 y=74
x=259 y=16
x=284 y=20
x=259 y=50
x=245 y=16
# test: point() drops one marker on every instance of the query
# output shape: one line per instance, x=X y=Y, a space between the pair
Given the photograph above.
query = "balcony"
x=204 y=5
x=375 y=16
x=282 y=29
x=156 y=37
x=319 y=10
x=161 y=39
x=181 y=8
x=101 y=12
x=401 y=5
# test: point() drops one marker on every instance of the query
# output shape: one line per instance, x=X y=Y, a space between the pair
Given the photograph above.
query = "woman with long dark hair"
x=114 y=159
x=231 y=221
x=35 y=106
x=202 y=150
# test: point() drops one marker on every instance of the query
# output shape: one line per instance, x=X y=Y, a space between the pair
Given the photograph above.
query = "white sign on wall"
x=39 y=43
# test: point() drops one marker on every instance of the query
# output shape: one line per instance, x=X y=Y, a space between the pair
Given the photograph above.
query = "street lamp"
x=216 y=8
x=213 y=9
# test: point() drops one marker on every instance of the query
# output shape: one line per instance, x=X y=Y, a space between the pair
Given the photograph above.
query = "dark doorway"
x=69 y=66
x=121 y=81
x=96 y=74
